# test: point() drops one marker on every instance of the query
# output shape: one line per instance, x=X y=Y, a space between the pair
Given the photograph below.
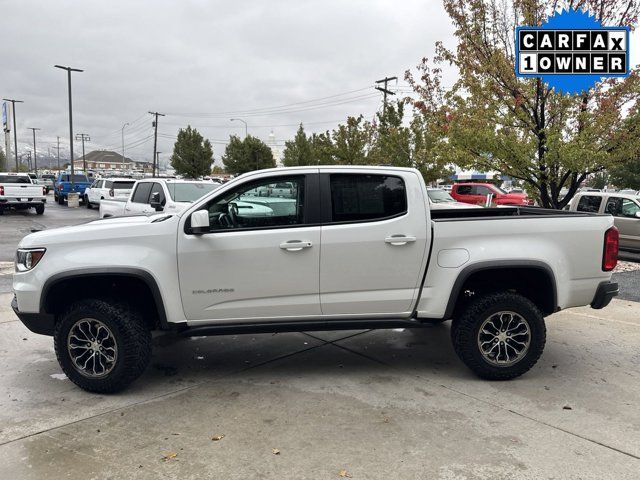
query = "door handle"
x=295 y=245
x=400 y=239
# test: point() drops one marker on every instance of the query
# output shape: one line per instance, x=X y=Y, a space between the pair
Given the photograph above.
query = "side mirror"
x=154 y=201
x=637 y=214
x=200 y=222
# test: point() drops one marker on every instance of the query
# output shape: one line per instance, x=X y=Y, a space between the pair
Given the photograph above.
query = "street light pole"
x=58 y=154
x=15 y=133
x=69 y=70
x=35 y=152
x=245 y=125
x=123 y=126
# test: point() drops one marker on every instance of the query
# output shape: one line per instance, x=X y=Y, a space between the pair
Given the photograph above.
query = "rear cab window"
x=15 y=179
x=589 y=203
x=365 y=198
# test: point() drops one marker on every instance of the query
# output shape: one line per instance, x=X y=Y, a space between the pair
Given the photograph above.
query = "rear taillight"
x=44 y=190
x=1 y=190
x=610 y=253
x=60 y=187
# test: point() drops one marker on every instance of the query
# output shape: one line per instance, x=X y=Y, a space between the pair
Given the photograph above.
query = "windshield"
x=439 y=196
x=14 y=179
x=189 y=192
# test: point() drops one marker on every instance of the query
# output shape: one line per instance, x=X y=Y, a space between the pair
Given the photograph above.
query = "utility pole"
x=69 y=70
x=126 y=124
x=35 y=152
x=29 y=160
x=15 y=133
x=155 y=139
x=58 y=154
x=83 y=137
x=158 y=161
x=385 y=91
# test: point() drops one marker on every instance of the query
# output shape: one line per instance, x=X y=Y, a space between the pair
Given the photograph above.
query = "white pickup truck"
x=153 y=195
x=358 y=247
x=18 y=191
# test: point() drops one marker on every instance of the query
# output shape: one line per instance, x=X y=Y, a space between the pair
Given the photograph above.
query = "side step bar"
x=300 y=326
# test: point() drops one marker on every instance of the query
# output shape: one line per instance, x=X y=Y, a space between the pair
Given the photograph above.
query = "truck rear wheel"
x=60 y=200
x=102 y=346
x=40 y=209
x=87 y=202
x=499 y=336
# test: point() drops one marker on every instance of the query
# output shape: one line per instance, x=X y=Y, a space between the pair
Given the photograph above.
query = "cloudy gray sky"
x=204 y=62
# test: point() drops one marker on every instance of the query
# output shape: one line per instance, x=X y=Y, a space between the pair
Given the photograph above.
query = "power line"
x=241 y=112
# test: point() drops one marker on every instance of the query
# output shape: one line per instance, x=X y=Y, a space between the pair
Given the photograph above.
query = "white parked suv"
x=108 y=188
x=153 y=195
x=360 y=248
x=18 y=191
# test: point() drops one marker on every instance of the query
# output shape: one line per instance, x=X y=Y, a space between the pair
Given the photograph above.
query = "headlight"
x=26 y=259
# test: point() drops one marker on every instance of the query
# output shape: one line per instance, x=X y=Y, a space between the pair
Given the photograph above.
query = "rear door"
x=374 y=243
x=139 y=203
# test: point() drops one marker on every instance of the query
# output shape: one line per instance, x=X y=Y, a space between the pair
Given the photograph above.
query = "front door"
x=374 y=245
x=260 y=258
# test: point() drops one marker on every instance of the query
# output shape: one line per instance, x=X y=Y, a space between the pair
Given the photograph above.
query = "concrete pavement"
x=370 y=404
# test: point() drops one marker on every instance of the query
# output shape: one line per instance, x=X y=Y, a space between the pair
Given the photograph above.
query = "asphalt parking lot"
x=360 y=404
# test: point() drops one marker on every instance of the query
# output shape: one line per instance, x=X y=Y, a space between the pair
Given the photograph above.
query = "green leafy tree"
x=626 y=174
x=350 y=142
x=322 y=148
x=246 y=155
x=520 y=127
x=217 y=170
x=192 y=154
x=299 y=151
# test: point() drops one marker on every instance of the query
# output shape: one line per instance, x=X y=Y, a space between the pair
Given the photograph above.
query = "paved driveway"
x=370 y=404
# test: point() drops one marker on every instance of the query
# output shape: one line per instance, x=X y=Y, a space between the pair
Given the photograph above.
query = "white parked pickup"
x=356 y=247
x=18 y=191
x=153 y=195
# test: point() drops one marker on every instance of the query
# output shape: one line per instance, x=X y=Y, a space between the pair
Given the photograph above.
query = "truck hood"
x=104 y=229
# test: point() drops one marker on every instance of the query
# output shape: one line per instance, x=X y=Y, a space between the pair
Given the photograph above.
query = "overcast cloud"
x=205 y=58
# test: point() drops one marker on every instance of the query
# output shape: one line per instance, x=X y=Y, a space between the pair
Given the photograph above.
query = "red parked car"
x=476 y=194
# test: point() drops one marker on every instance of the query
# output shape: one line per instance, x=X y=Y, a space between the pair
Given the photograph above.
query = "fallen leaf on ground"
x=275 y=451
x=344 y=474
x=217 y=438
x=169 y=456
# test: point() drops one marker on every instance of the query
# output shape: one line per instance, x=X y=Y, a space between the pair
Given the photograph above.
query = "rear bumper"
x=40 y=323
x=22 y=202
x=605 y=292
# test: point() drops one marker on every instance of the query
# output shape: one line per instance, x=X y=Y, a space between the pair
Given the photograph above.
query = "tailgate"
x=22 y=191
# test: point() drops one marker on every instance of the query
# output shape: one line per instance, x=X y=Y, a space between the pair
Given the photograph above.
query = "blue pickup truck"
x=63 y=186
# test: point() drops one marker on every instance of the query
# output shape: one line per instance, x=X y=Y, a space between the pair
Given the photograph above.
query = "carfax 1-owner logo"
x=572 y=51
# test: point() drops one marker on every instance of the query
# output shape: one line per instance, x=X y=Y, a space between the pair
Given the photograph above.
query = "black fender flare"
x=137 y=273
x=466 y=272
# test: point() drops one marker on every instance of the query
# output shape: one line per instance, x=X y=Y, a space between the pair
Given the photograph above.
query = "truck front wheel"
x=499 y=336
x=102 y=346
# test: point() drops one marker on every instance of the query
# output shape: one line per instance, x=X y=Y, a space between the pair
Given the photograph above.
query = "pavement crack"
x=540 y=422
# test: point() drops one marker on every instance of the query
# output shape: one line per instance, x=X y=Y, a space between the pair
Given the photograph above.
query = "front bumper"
x=41 y=323
x=605 y=292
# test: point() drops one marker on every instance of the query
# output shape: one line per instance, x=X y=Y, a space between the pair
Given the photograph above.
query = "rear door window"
x=589 y=203
x=357 y=197
x=141 y=195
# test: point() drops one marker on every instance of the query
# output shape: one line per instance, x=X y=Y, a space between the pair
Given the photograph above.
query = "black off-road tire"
x=131 y=335
x=87 y=202
x=40 y=209
x=465 y=328
x=60 y=200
